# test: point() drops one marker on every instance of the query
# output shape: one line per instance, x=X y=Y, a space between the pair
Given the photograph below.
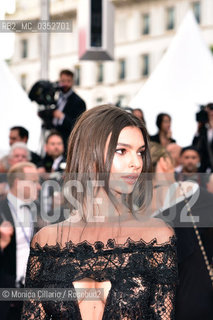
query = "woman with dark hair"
x=164 y=135
x=108 y=241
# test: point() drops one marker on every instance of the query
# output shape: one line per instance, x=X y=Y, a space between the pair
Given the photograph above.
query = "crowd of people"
x=170 y=184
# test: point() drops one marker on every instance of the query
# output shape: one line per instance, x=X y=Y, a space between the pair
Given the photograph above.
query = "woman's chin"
x=123 y=188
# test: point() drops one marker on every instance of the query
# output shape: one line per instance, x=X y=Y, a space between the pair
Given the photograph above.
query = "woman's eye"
x=120 y=151
x=141 y=153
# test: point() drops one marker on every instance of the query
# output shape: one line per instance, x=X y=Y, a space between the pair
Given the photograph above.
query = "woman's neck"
x=102 y=209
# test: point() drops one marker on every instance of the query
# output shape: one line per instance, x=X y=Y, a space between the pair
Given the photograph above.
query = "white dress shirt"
x=210 y=134
x=56 y=163
x=60 y=106
x=23 y=231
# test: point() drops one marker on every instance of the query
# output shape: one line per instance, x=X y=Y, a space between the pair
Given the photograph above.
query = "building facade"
x=143 y=32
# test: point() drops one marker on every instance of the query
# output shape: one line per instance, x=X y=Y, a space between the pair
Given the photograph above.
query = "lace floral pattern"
x=143 y=278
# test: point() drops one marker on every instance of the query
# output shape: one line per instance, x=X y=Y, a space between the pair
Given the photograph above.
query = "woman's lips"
x=130 y=178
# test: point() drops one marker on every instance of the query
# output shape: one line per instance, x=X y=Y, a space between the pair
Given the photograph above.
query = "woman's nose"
x=135 y=162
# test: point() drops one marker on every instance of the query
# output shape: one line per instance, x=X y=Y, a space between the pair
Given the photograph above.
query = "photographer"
x=203 y=140
x=69 y=106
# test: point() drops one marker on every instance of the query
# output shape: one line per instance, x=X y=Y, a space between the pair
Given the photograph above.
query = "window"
x=100 y=72
x=145 y=24
x=99 y=100
x=196 y=10
x=77 y=75
x=24 y=48
x=170 y=23
x=145 y=65
x=24 y=81
x=121 y=100
x=122 y=69
x=96 y=23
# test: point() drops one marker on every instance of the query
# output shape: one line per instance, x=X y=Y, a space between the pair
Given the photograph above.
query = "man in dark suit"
x=21 y=134
x=190 y=167
x=54 y=160
x=51 y=170
x=68 y=108
x=203 y=141
x=17 y=210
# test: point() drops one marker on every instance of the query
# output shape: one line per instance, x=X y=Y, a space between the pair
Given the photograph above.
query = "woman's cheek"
x=117 y=165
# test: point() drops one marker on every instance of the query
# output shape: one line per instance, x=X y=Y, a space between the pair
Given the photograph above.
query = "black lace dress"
x=143 y=278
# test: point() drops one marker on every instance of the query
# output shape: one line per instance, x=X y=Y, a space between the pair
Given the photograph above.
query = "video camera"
x=45 y=93
x=202 y=115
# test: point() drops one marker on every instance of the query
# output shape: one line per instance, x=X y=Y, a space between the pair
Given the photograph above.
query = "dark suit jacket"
x=35 y=158
x=74 y=107
x=194 y=300
x=156 y=138
x=47 y=163
x=7 y=260
x=8 y=263
x=201 y=143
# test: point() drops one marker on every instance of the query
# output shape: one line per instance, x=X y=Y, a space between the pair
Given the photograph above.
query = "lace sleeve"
x=33 y=309
x=164 y=284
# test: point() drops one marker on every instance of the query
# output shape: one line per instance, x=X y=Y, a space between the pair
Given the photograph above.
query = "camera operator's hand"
x=58 y=114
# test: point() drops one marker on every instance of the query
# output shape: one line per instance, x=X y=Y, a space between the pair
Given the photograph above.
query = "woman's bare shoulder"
x=46 y=235
x=58 y=233
x=160 y=230
x=149 y=229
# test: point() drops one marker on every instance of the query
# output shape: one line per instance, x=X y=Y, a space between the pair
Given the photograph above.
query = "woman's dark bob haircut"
x=86 y=146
